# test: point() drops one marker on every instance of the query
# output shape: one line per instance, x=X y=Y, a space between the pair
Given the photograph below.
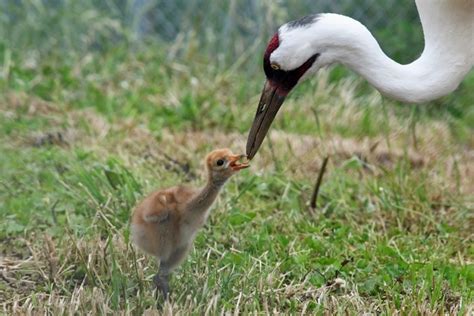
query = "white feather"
x=448 y=55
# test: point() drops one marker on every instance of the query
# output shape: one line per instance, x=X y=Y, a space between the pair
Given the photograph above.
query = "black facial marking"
x=304 y=21
x=283 y=80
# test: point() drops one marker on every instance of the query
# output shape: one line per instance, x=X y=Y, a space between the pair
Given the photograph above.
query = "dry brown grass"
x=51 y=262
x=451 y=165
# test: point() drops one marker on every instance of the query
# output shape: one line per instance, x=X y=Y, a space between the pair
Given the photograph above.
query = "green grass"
x=83 y=137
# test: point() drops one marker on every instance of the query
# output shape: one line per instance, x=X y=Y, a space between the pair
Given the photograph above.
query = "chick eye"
x=220 y=162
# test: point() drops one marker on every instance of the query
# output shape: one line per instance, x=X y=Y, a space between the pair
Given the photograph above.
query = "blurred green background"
x=222 y=30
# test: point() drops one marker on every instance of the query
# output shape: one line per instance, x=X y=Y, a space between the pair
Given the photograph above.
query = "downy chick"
x=165 y=223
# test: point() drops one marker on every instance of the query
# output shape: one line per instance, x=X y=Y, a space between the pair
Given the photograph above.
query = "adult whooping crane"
x=300 y=48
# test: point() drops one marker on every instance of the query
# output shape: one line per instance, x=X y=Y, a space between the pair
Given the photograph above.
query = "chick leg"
x=161 y=279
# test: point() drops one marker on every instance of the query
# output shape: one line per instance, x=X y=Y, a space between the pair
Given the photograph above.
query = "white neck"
x=448 y=27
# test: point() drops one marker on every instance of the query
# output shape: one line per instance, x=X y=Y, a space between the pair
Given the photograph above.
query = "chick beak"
x=234 y=163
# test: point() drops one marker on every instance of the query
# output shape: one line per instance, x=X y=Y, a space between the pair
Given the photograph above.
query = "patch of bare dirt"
x=32 y=105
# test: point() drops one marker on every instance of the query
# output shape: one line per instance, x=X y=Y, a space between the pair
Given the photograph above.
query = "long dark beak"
x=270 y=103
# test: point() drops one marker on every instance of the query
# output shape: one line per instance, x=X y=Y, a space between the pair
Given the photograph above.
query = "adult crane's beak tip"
x=270 y=103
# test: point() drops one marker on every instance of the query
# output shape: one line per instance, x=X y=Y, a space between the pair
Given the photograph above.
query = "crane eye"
x=275 y=66
x=220 y=162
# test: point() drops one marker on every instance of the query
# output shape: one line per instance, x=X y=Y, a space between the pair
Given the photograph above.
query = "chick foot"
x=161 y=284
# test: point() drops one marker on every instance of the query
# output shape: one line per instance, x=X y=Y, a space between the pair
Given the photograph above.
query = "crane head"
x=284 y=67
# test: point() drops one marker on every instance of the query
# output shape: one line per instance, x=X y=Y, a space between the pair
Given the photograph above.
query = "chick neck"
x=208 y=194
